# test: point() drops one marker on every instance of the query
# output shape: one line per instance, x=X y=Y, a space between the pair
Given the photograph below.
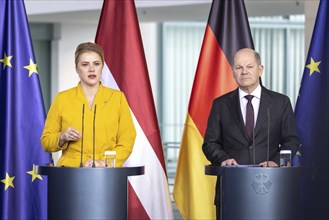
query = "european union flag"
x=23 y=194
x=312 y=115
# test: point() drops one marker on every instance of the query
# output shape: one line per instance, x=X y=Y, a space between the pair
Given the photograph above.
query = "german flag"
x=227 y=31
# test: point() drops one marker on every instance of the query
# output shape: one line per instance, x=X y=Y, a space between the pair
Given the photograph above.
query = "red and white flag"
x=126 y=70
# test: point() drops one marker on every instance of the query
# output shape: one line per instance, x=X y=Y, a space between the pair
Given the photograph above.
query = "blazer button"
x=250 y=147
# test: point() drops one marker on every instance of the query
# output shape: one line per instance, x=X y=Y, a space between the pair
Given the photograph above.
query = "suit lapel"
x=265 y=103
x=237 y=114
x=103 y=97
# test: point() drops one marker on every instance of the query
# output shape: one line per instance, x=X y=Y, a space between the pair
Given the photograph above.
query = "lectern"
x=258 y=193
x=88 y=193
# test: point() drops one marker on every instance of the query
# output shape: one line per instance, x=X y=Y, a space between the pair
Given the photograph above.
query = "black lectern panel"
x=88 y=193
x=258 y=192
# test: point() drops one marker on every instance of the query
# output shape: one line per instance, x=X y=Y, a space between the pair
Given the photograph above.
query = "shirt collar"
x=256 y=93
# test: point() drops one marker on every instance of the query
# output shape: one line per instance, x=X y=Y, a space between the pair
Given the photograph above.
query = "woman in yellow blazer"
x=89 y=113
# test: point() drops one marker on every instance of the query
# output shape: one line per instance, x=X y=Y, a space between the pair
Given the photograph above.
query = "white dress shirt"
x=255 y=102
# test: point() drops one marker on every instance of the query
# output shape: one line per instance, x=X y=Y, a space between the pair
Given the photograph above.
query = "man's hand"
x=270 y=164
x=229 y=162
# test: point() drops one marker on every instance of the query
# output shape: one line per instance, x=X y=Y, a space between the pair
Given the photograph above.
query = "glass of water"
x=285 y=158
x=110 y=158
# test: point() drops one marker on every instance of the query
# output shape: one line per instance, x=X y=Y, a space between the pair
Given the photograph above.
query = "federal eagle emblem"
x=261 y=183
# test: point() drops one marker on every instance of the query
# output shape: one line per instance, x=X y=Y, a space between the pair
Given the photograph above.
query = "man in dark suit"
x=239 y=121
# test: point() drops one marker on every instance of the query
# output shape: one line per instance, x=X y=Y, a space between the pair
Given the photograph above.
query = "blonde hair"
x=88 y=47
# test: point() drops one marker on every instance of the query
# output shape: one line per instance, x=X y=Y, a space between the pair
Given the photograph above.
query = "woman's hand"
x=70 y=134
x=98 y=163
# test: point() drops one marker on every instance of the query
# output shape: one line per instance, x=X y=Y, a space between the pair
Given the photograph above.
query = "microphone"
x=83 y=116
x=268 y=136
x=94 y=137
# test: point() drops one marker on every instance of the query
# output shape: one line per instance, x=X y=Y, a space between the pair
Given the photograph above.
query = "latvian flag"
x=125 y=70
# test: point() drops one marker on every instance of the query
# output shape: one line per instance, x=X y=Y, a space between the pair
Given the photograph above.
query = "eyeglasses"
x=239 y=69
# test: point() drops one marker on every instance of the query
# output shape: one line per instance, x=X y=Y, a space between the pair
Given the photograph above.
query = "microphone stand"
x=253 y=145
x=268 y=136
x=94 y=137
x=83 y=115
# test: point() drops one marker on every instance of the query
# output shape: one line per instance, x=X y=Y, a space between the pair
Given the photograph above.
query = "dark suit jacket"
x=226 y=137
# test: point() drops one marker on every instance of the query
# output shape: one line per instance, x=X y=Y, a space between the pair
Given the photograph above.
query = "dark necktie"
x=249 y=117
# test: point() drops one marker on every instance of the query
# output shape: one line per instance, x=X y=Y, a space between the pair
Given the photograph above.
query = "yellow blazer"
x=114 y=127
